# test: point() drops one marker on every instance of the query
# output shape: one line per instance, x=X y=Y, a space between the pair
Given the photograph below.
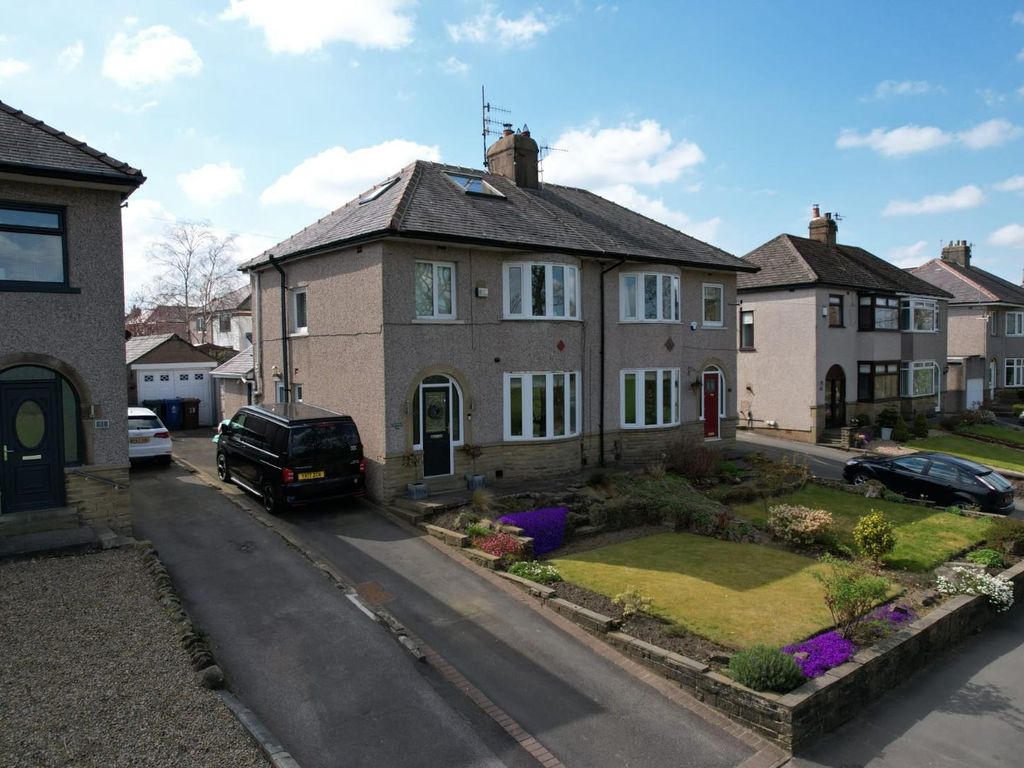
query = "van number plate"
x=311 y=475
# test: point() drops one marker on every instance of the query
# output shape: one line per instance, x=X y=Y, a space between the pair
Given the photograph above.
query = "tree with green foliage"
x=850 y=592
x=874 y=536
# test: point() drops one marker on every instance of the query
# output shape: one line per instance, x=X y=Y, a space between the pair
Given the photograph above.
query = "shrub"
x=632 y=601
x=545 y=526
x=482 y=501
x=861 y=420
x=885 y=619
x=475 y=531
x=988 y=558
x=874 y=536
x=694 y=461
x=542 y=573
x=597 y=477
x=972 y=580
x=818 y=655
x=897 y=498
x=920 y=428
x=1018 y=408
x=797 y=524
x=955 y=510
x=764 y=668
x=950 y=423
x=900 y=431
x=500 y=545
x=621 y=512
x=1005 y=532
x=888 y=417
x=850 y=591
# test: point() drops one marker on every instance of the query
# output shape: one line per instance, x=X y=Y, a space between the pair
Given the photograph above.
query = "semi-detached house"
x=829 y=331
x=484 y=322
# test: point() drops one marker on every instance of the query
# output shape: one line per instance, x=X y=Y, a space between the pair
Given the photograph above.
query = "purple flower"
x=820 y=654
x=545 y=526
x=892 y=614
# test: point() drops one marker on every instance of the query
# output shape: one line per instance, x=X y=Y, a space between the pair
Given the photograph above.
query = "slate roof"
x=969 y=285
x=239 y=365
x=423 y=203
x=137 y=346
x=31 y=146
x=789 y=260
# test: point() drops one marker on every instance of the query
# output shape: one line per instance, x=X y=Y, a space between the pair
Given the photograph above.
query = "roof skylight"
x=377 y=191
x=473 y=184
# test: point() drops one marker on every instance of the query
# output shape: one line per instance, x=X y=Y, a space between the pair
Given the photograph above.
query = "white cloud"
x=12 y=68
x=964 y=198
x=336 y=175
x=1018 y=17
x=905 y=140
x=991 y=133
x=71 y=57
x=1010 y=236
x=136 y=109
x=1012 y=184
x=908 y=255
x=212 y=182
x=153 y=55
x=490 y=26
x=991 y=96
x=453 y=66
x=911 y=139
x=888 y=88
x=301 y=26
x=639 y=153
x=628 y=196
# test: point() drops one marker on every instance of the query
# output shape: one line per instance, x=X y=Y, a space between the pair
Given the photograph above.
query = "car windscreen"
x=996 y=481
x=323 y=441
x=144 y=422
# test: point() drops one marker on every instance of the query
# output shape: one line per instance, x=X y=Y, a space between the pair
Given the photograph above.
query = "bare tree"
x=197 y=269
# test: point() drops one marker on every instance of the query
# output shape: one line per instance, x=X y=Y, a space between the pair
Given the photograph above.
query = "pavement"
x=574 y=699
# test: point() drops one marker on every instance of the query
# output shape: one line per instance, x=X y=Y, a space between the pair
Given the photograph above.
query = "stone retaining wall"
x=95 y=498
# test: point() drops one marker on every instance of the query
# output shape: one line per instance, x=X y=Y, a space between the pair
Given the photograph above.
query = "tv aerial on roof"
x=491 y=127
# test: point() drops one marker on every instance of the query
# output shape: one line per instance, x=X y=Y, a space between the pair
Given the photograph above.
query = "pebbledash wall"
x=81 y=336
x=365 y=354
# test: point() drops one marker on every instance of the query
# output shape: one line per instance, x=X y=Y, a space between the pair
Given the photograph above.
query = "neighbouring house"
x=226 y=322
x=166 y=368
x=484 y=322
x=63 y=405
x=828 y=331
x=234 y=381
x=158 y=321
x=986 y=329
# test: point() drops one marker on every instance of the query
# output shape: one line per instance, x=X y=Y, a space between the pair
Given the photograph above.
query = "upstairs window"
x=224 y=323
x=835 y=311
x=474 y=185
x=542 y=291
x=879 y=313
x=299 y=319
x=747 y=330
x=1015 y=323
x=649 y=297
x=714 y=306
x=919 y=315
x=435 y=290
x=993 y=323
x=32 y=248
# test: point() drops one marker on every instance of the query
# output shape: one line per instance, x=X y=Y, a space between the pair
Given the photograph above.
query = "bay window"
x=1014 y=376
x=919 y=315
x=541 y=291
x=649 y=297
x=918 y=379
x=649 y=397
x=879 y=313
x=541 y=406
x=435 y=290
x=877 y=381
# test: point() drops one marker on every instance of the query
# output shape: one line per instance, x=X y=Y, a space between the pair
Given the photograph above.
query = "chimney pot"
x=815 y=212
x=507 y=129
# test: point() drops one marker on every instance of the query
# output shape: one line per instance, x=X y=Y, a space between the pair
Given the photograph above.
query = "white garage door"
x=975 y=393
x=165 y=384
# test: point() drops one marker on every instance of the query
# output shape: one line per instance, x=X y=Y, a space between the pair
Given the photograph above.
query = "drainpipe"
x=284 y=327
x=255 y=390
x=600 y=421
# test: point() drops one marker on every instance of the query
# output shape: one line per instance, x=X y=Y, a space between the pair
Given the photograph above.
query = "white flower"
x=973 y=580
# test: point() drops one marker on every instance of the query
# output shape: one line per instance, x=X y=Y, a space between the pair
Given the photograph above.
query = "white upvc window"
x=435 y=290
x=919 y=315
x=1014 y=376
x=919 y=378
x=541 y=291
x=542 y=405
x=1015 y=323
x=713 y=301
x=649 y=397
x=299 y=318
x=649 y=297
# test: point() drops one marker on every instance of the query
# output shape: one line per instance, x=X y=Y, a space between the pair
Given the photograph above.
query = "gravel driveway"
x=92 y=673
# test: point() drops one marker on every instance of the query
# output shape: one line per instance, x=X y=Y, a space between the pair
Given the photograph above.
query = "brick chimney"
x=957 y=252
x=822 y=228
x=514 y=156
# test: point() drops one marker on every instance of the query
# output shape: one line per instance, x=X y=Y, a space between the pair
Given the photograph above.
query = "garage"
x=168 y=367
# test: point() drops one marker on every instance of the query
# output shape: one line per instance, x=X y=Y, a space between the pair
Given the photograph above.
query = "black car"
x=292 y=454
x=942 y=479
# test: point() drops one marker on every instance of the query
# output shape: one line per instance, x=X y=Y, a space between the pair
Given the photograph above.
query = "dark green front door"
x=31 y=446
x=437 y=431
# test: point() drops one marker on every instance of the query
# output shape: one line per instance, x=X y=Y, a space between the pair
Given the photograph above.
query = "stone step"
x=54 y=519
x=44 y=542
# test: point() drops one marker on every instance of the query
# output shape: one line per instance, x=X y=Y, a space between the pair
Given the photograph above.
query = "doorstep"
x=65 y=541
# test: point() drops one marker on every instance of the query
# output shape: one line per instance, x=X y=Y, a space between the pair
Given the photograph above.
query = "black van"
x=292 y=454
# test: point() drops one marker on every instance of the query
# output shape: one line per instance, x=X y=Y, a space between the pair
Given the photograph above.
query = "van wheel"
x=223 y=471
x=270 y=500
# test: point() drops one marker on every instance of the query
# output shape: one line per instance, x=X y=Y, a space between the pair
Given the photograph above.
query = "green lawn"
x=996 y=432
x=925 y=537
x=735 y=594
x=984 y=453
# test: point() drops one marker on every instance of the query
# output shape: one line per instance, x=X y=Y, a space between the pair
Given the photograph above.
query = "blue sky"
x=725 y=122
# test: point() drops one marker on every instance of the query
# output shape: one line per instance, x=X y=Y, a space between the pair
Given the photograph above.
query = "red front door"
x=711 y=395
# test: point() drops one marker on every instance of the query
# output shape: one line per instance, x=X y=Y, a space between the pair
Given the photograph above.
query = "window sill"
x=298 y=334
x=16 y=286
x=558 y=439
x=638 y=427
x=748 y=349
x=836 y=326
x=629 y=321
x=704 y=327
x=542 y=319
x=436 y=321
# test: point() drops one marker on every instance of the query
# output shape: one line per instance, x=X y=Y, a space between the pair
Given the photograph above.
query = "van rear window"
x=324 y=439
